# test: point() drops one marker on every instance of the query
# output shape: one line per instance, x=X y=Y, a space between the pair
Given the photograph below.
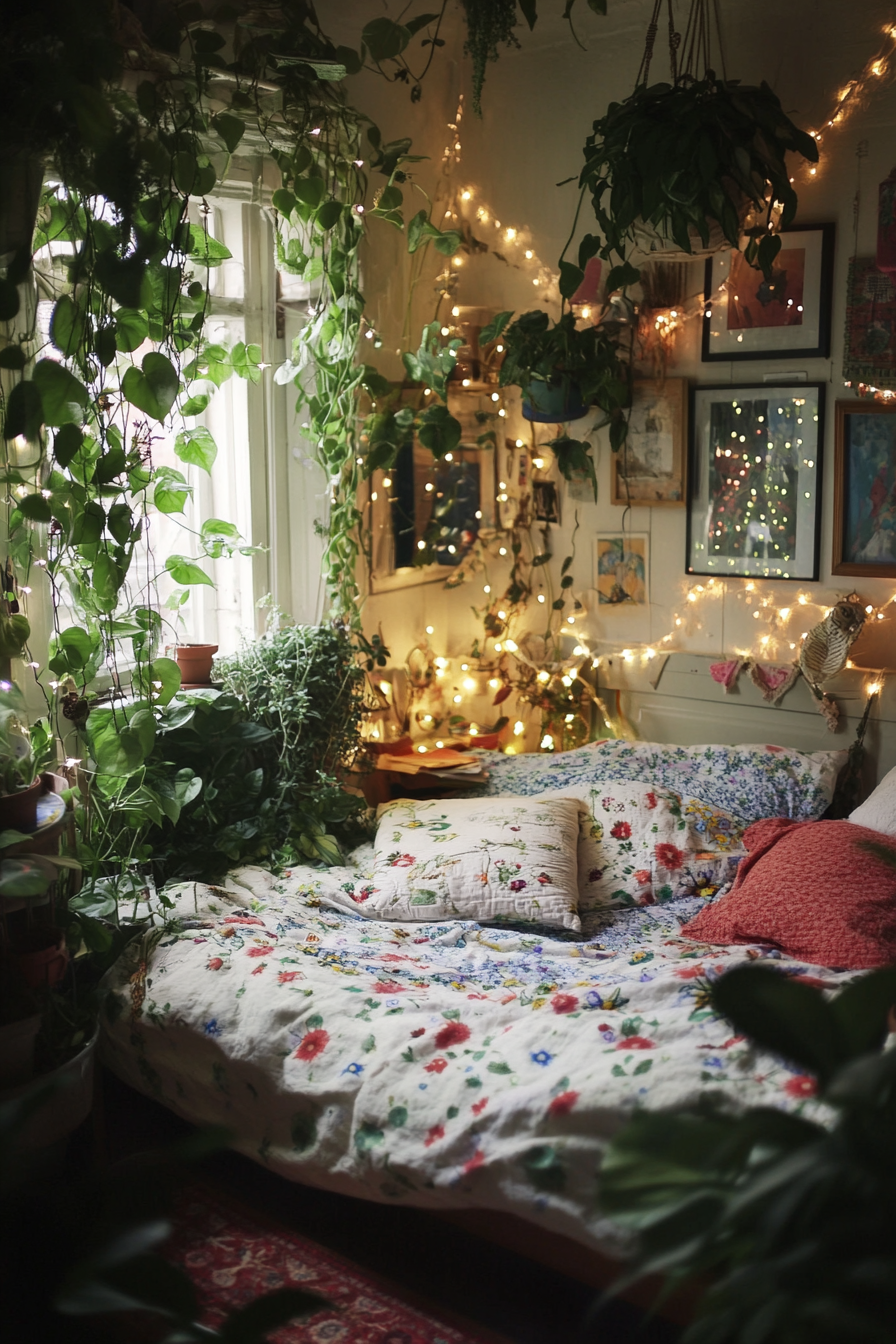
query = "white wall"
x=539 y=103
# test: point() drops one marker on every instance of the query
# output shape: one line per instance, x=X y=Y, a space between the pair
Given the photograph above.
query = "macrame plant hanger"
x=695 y=46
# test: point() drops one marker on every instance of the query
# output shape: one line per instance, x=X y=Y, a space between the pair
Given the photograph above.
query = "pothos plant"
x=588 y=359
x=123 y=249
x=679 y=158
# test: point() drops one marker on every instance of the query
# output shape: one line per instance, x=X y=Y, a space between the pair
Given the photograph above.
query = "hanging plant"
x=575 y=367
x=690 y=165
x=685 y=165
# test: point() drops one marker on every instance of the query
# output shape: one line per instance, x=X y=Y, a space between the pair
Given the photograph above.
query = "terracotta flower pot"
x=18 y=811
x=195 y=663
x=41 y=956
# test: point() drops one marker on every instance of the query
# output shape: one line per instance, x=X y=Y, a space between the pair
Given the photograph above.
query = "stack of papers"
x=442 y=763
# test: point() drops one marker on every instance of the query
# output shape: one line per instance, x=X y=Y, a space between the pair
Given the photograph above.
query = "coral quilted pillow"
x=495 y=860
x=821 y=891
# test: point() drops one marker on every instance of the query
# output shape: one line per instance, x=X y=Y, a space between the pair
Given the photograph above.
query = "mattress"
x=439 y=1065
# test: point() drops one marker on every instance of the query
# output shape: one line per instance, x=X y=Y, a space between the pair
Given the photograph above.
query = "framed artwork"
x=865 y=489
x=789 y=316
x=754 y=481
x=443 y=505
x=869 y=349
x=545 y=502
x=621 y=568
x=650 y=468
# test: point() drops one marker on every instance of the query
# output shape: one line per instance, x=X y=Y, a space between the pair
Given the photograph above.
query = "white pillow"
x=496 y=860
x=878 y=812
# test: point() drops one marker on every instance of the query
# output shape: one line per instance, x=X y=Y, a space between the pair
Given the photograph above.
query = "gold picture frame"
x=650 y=469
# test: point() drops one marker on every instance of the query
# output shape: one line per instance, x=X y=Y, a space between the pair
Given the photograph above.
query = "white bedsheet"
x=439 y=1065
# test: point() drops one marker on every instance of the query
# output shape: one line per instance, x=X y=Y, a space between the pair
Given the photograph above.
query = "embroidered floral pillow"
x=699 y=851
x=616 y=847
x=496 y=860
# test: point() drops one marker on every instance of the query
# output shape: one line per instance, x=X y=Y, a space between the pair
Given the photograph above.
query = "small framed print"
x=865 y=489
x=650 y=467
x=754 y=481
x=621 y=568
x=788 y=316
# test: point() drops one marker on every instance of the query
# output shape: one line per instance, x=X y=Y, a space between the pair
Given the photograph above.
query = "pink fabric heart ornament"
x=773 y=680
x=727 y=673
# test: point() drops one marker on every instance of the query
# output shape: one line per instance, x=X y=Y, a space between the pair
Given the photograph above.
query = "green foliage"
x=111 y=1224
x=24 y=751
x=303 y=685
x=588 y=360
x=681 y=157
x=792 y=1216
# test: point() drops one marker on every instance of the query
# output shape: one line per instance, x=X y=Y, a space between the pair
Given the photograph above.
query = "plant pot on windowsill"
x=553 y=403
x=195 y=663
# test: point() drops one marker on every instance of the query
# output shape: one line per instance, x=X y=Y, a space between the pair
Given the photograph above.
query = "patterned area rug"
x=233 y=1256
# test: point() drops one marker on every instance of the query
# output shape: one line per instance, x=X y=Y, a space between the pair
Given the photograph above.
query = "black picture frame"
x=782 y=341
x=762 y=474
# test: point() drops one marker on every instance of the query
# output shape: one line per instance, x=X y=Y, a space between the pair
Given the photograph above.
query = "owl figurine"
x=826 y=647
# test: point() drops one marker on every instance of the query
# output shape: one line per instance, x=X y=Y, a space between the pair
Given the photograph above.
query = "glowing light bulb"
x=421 y=545
x=421 y=749
x=457 y=699
x=495 y=683
x=529 y=254
x=547 y=743
x=519 y=728
x=430 y=630
x=538 y=463
x=387 y=482
x=543 y=677
x=386 y=688
x=542 y=598
x=469 y=684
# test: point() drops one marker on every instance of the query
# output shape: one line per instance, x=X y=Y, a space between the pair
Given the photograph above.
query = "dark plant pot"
x=21 y=180
x=17 y=1041
x=64 y=1107
x=553 y=403
x=195 y=663
x=18 y=811
x=41 y=956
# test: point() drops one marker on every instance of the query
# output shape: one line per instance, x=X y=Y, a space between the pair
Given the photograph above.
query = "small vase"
x=195 y=663
x=18 y=811
x=553 y=403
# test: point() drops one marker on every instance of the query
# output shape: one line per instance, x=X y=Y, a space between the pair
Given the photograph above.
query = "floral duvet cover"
x=437 y=1064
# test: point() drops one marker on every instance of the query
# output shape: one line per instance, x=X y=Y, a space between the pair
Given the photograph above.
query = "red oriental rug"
x=233 y=1256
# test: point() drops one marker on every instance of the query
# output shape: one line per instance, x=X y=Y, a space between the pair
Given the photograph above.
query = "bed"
x=454 y=1065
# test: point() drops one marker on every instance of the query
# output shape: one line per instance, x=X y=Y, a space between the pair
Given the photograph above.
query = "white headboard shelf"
x=686 y=706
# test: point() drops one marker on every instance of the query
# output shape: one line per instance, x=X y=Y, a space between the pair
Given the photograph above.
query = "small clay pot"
x=18 y=811
x=41 y=956
x=195 y=663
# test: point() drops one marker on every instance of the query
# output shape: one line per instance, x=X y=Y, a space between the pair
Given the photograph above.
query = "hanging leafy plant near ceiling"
x=491 y=24
x=695 y=164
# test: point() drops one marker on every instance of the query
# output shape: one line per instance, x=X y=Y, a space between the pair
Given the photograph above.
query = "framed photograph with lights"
x=650 y=468
x=865 y=489
x=425 y=516
x=786 y=317
x=754 y=481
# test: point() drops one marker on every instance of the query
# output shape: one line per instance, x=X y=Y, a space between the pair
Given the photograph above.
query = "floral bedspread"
x=439 y=1064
